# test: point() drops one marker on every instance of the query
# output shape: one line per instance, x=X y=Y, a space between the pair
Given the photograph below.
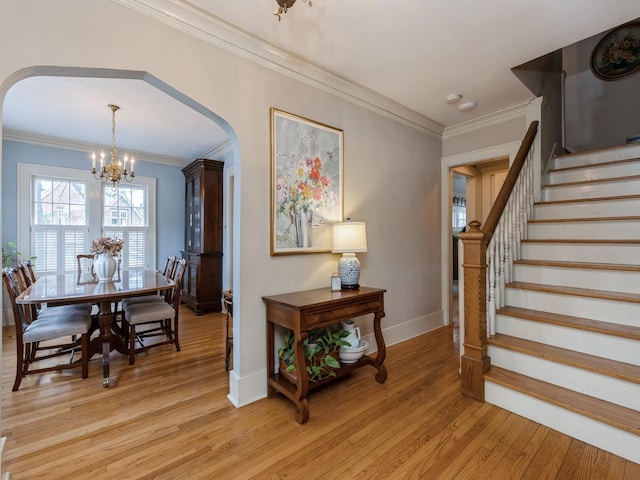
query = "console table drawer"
x=327 y=317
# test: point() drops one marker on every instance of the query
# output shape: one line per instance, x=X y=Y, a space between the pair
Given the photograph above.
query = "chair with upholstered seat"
x=40 y=334
x=164 y=315
x=168 y=271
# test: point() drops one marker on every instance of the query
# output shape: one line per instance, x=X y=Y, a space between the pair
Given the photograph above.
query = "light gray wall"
x=599 y=113
x=391 y=171
x=169 y=190
x=492 y=134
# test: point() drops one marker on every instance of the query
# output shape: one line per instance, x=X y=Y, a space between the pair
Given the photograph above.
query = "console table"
x=301 y=312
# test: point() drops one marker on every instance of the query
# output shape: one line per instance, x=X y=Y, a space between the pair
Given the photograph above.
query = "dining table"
x=71 y=288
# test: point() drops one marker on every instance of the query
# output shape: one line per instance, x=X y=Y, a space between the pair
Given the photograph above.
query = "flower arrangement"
x=623 y=51
x=303 y=187
x=107 y=245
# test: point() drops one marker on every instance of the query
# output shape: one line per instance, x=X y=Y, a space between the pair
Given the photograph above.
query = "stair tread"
x=629 y=241
x=596 y=165
x=593 y=363
x=592 y=199
x=615 y=415
x=586 y=265
x=594 y=180
x=607 y=328
x=579 y=292
x=586 y=219
x=622 y=146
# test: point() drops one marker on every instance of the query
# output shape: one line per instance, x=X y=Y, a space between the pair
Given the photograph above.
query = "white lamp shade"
x=349 y=237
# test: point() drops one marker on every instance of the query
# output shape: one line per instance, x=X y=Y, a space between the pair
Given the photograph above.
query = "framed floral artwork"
x=617 y=55
x=306 y=184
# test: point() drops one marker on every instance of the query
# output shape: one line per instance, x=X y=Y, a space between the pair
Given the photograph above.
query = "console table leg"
x=302 y=412
x=381 y=376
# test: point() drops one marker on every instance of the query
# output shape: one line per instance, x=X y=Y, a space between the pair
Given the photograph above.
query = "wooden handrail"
x=505 y=191
x=475 y=362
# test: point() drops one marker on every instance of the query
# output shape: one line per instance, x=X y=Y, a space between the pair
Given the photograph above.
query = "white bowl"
x=353 y=354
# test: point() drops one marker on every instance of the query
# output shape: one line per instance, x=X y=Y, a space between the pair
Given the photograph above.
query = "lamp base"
x=349 y=270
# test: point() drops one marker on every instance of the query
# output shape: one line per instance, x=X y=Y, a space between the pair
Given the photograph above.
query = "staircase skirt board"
x=577 y=379
x=601 y=435
x=619 y=349
x=566 y=352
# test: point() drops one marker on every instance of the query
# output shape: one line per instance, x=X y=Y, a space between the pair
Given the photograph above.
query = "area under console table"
x=312 y=309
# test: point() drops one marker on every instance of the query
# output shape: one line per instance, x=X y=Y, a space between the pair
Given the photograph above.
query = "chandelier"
x=116 y=171
x=284 y=5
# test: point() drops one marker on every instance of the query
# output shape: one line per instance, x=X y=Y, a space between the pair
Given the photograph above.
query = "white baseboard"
x=246 y=390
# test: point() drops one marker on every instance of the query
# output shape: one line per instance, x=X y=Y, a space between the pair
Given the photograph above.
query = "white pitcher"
x=354 y=334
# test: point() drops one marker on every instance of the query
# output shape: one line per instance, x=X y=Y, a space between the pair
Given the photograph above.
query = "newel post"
x=475 y=361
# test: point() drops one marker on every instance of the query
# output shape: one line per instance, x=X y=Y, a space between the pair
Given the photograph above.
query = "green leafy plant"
x=11 y=255
x=320 y=352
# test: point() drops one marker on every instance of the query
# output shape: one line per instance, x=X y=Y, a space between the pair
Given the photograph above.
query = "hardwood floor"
x=167 y=417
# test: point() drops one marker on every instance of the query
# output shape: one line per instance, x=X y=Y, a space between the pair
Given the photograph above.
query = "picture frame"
x=617 y=55
x=306 y=183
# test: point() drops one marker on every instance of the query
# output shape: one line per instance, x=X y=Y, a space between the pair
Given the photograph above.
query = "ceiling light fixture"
x=285 y=5
x=453 y=98
x=116 y=171
x=467 y=106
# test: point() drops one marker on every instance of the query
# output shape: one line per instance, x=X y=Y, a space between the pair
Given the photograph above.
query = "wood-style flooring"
x=168 y=417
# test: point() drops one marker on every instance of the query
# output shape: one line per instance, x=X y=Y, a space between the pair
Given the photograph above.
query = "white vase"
x=104 y=266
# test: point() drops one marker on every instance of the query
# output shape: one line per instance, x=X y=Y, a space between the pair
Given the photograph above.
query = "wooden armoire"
x=202 y=287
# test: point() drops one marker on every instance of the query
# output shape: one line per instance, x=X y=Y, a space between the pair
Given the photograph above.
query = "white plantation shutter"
x=134 y=254
x=125 y=217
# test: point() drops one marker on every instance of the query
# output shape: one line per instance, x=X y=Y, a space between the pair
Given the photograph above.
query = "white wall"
x=391 y=170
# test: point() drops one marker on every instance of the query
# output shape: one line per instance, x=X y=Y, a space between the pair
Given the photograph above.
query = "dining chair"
x=168 y=271
x=85 y=264
x=227 y=300
x=164 y=314
x=40 y=334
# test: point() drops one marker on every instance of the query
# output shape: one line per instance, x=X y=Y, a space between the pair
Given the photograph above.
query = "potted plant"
x=11 y=255
x=320 y=352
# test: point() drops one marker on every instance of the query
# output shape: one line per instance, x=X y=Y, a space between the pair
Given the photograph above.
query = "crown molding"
x=219 y=151
x=186 y=18
x=57 y=142
x=512 y=112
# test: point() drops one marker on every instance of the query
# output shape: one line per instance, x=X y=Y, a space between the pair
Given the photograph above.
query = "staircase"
x=566 y=352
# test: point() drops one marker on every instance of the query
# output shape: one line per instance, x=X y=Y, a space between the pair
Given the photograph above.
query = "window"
x=126 y=207
x=59 y=222
x=61 y=210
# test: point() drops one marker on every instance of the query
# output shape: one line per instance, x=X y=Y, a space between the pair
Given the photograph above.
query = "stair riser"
x=591 y=190
x=597 y=253
x=607 y=346
x=621 y=153
x=624 y=313
x=579 y=380
x=587 y=209
x=619 y=442
x=609 y=280
x=596 y=230
x=595 y=172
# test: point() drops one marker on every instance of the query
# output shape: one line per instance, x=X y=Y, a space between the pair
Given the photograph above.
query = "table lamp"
x=349 y=238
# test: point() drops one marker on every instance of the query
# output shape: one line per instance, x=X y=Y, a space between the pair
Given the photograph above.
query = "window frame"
x=95 y=208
